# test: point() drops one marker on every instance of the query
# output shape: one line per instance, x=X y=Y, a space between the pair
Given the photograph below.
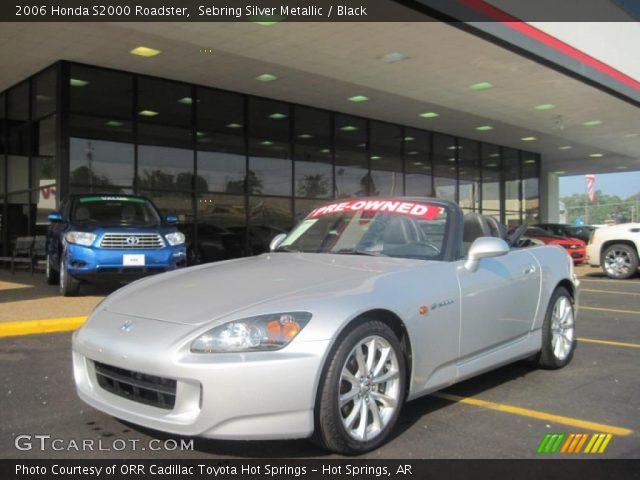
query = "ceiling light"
x=266 y=77
x=429 y=115
x=565 y=147
x=528 y=139
x=452 y=168
x=358 y=98
x=147 y=113
x=394 y=57
x=325 y=150
x=418 y=163
x=530 y=161
x=76 y=82
x=454 y=147
x=481 y=86
x=348 y=128
x=362 y=145
x=233 y=125
x=560 y=172
x=452 y=159
x=114 y=123
x=200 y=134
x=305 y=135
x=409 y=139
x=494 y=155
x=375 y=157
x=413 y=152
x=592 y=123
x=484 y=128
x=145 y=52
x=492 y=164
x=277 y=116
x=545 y=106
x=186 y=101
x=596 y=155
x=266 y=143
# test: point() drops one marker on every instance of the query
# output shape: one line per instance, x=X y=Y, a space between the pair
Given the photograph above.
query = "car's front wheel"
x=363 y=390
x=68 y=285
x=51 y=274
x=558 y=331
x=620 y=261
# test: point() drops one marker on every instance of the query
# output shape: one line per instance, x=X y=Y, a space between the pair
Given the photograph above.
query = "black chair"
x=475 y=226
x=22 y=251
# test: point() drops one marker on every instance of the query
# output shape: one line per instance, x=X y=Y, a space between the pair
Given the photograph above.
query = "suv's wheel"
x=558 y=331
x=619 y=261
x=363 y=390
x=51 y=275
x=68 y=285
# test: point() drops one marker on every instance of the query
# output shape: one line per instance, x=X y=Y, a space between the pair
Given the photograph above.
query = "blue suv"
x=110 y=238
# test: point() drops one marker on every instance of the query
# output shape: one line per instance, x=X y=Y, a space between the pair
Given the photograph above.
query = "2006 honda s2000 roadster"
x=365 y=304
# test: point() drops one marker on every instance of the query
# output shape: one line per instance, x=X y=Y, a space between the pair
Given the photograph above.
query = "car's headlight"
x=80 y=238
x=264 y=332
x=175 y=238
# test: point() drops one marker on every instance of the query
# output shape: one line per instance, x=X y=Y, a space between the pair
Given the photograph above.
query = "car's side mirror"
x=55 y=217
x=171 y=219
x=277 y=240
x=485 y=247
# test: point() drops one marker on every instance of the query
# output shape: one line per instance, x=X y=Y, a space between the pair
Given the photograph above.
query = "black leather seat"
x=497 y=229
x=475 y=226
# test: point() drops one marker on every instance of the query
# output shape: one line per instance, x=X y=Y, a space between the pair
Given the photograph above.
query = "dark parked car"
x=583 y=232
x=213 y=243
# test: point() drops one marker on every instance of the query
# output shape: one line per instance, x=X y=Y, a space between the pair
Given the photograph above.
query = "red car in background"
x=575 y=247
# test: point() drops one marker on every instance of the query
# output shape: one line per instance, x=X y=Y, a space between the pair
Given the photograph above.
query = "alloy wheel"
x=617 y=262
x=562 y=328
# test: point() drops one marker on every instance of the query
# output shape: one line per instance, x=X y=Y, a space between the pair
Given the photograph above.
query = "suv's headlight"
x=264 y=332
x=175 y=238
x=80 y=238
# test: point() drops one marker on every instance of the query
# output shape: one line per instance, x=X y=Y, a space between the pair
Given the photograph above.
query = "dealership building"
x=248 y=126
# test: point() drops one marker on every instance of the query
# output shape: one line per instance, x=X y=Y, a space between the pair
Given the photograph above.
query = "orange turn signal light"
x=423 y=310
x=277 y=331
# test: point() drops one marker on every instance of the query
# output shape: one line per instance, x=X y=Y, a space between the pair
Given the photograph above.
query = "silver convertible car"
x=365 y=304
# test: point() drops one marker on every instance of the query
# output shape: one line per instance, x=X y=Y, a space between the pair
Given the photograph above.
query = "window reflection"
x=352 y=175
x=100 y=163
x=469 y=174
x=491 y=161
x=386 y=159
x=313 y=155
x=268 y=216
x=417 y=160
x=444 y=166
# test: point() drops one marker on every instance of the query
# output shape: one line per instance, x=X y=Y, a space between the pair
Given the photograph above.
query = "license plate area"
x=133 y=260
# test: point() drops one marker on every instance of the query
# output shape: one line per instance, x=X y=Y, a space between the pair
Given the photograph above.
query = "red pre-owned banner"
x=414 y=209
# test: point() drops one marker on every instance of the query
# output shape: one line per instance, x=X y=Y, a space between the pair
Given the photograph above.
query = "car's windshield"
x=393 y=228
x=114 y=211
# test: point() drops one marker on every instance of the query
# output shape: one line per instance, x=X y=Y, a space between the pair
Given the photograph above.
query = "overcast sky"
x=623 y=184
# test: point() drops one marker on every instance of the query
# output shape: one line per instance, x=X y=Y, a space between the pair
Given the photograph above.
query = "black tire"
x=68 y=285
x=51 y=274
x=628 y=255
x=548 y=358
x=330 y=432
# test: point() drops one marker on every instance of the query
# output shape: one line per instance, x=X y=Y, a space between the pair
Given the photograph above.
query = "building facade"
x=229 y=165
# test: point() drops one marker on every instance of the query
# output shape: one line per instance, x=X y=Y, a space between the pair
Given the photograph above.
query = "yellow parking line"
x=525 y=412
x=608 y=280
x=609 y=342
x=616 y=292
x=613 y=310
x=47 y=325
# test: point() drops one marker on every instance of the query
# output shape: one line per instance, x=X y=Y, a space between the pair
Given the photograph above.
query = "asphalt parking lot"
x=503 y=414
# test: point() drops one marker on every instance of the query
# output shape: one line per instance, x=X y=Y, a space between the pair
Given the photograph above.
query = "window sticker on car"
x=299 y=230
x=111 y=199
x=415 y=209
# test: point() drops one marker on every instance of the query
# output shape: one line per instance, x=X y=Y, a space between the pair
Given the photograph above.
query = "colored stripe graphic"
x=553 y=443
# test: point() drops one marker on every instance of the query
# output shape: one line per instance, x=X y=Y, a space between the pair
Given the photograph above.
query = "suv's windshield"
x=109 y=211
x=406 y=229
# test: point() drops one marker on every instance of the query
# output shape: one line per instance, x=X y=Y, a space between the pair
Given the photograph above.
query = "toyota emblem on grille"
x=127 y=326
x=133 y=241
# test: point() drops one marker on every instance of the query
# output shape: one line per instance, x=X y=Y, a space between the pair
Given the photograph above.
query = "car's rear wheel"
x=68 y=285
x=619 y=261
x=51 y=274
x=558 y=331
x=363 y=390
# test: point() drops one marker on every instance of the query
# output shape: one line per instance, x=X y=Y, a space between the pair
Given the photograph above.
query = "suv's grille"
x=148 y=389
x=129 y=241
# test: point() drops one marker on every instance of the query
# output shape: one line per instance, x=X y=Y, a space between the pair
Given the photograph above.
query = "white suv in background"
x=616 y=249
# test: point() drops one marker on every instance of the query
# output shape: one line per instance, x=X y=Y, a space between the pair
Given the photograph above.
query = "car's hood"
x=202 y=294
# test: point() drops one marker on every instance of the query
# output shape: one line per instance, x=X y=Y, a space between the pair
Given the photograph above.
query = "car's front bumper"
x=257 y=395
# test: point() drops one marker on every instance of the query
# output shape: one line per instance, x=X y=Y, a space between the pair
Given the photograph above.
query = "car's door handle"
x=529 y=270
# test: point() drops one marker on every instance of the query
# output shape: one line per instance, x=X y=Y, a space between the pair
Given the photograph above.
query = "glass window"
x=511 y=172
x=469 y=174
x=268 y=217
x=18 y=105
x=221 y=229
x=386 y=159
x=490 y=178
x=18 y=159
x=100 y=163
x=101 y=93
x=270 y=165
x=530 y=187
x=44 y=91
x=312 y=153
x=304 y=207
x=177 y=203
x=352 y=175
x=163 y=102
x=43 y=161
x=166 y=168
x=83 y=126
x=417 y=161
x=220 y=141
x=444 y=166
